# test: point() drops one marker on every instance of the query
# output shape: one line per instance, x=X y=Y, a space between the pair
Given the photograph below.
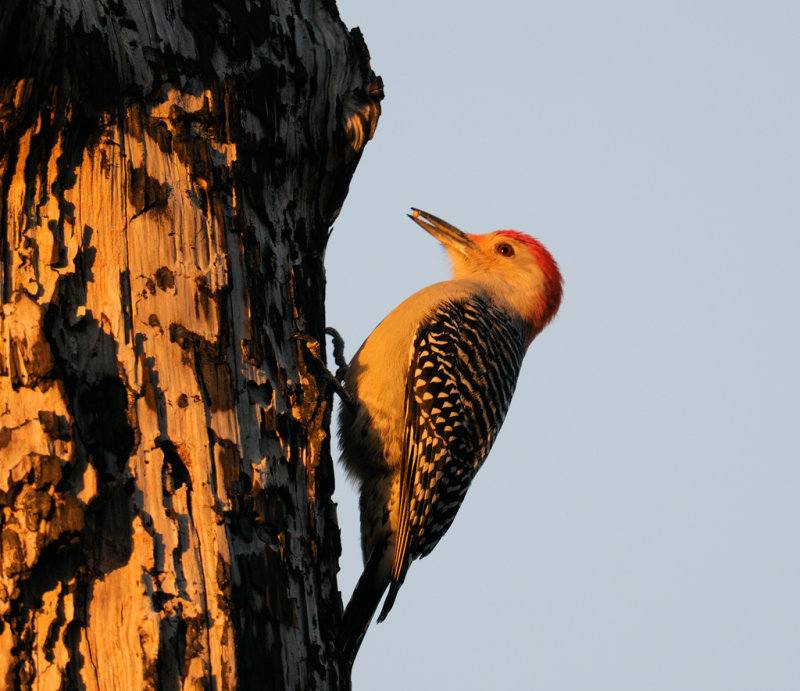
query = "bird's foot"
x=338 y=352
x=315 y=349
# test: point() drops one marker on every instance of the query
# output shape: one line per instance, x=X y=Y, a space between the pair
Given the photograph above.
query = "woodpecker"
x=426 y=395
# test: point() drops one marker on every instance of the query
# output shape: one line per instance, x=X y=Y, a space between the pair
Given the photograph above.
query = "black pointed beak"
x=450 y=236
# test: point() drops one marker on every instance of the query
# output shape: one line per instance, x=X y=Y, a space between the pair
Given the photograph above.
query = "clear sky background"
x=637 y=524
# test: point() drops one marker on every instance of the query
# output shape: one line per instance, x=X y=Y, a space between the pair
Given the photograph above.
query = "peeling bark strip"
x=168 y=175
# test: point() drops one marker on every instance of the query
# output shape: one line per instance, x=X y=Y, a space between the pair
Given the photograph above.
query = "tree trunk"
x=168 y=175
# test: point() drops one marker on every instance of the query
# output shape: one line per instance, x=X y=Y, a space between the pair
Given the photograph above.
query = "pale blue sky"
x=637 y=524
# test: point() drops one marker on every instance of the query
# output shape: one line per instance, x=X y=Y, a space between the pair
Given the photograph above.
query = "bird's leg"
x=314 y=347
x=338 y=352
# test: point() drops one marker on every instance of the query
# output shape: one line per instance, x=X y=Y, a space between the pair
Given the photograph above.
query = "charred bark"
x=168 y=176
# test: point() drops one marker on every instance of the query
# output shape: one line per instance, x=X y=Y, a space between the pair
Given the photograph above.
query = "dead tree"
x=169 y=172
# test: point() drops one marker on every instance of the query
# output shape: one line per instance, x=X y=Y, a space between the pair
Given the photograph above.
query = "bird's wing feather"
x=464 y=364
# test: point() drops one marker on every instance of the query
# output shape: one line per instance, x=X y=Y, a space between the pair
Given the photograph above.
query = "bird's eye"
x=505 y=250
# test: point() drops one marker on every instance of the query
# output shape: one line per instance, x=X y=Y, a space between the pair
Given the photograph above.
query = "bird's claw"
x=338 y=352
x=315 y=348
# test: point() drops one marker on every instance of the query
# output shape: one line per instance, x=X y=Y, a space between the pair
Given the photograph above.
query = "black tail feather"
x=389 y=601
x=361 y=608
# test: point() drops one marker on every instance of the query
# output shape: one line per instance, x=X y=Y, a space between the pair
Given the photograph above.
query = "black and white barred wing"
x=465 y=361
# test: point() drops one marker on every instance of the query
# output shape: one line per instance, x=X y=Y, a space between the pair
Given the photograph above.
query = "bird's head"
x=512 y=266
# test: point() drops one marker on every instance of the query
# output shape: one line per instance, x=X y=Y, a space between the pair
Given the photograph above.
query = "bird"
x=425 y=397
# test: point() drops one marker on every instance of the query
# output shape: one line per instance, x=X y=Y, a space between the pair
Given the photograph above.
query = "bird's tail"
x=394 y=586
x=361 y=608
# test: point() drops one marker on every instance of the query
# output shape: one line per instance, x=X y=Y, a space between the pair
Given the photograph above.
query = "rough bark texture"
x=168 y=174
